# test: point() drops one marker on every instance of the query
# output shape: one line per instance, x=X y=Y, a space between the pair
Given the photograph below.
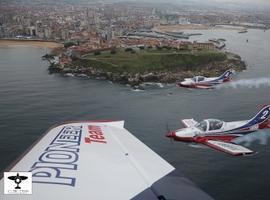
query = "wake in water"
x=260 y=136
x=247 y=83
x=152 y=84
x=137 y=90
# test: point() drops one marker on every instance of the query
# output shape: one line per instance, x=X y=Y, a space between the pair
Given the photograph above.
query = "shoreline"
x=198 y=27
x=90 y=68
x=34 y=43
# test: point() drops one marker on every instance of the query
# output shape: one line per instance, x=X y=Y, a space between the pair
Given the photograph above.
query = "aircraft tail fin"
x=226 y=75
x=261 y=117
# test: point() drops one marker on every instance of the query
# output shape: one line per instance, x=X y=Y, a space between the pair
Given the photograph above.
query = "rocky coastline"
x=137 y=80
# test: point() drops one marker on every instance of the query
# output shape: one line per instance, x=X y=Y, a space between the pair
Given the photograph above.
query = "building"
x=47 y=33
x=202 y=45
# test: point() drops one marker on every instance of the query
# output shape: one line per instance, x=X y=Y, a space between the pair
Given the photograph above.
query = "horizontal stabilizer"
x=230 y=148
x=189 y=122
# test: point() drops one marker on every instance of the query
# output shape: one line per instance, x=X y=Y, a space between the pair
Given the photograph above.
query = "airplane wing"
x=202 y=86
x=99 y=160
x=23 y=177
x=12 y=177
x=230 y=148
x=189 y=122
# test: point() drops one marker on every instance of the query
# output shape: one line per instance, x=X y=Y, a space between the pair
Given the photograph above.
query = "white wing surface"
x=229 y=148
x=98 y=160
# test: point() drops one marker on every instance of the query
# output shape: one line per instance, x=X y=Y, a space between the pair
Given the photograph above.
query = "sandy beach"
x=50 y=45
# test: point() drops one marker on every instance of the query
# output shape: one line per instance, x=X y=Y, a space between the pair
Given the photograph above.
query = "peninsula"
x=134 y=66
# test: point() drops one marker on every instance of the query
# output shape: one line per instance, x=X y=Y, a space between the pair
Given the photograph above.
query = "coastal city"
x=89 y=28
x=134 y=99
x=96 y=25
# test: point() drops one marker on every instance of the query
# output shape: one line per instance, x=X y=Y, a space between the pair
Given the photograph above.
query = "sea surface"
x=32 y=100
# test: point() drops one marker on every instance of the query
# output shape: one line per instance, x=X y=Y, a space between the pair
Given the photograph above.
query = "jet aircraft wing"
x=99 y=160
x=230 y=148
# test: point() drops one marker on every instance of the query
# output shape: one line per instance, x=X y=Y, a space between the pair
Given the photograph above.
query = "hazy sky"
x=245 y=1
x=254 y=2
x=230 y=3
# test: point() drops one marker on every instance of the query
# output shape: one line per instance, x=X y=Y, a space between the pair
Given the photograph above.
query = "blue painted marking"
x=261 y=117
x=60 y=158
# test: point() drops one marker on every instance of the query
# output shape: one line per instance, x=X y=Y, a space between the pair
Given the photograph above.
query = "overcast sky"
x=245 y=1
x=226 y=3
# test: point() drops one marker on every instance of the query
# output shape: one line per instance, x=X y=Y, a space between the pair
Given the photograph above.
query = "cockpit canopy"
x=210 y=125
x=198 y=78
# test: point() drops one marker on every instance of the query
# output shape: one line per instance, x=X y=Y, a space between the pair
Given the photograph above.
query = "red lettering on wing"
x=95 y=135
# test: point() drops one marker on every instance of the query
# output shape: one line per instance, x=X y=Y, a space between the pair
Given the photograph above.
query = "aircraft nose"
x=170 y=134
x=183 y=84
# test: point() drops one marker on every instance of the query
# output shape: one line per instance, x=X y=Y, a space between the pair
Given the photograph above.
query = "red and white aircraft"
x=202 y=82
x=219 y=134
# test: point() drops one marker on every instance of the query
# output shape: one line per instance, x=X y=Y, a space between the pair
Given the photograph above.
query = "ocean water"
x=32 y=100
